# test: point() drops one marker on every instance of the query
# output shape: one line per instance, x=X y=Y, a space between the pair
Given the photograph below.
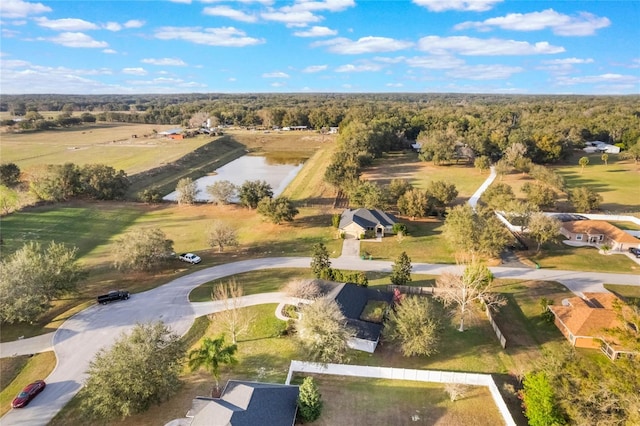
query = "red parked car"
x=28 y=393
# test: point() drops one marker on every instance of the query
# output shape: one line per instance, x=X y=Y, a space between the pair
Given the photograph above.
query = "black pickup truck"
x=112 y=296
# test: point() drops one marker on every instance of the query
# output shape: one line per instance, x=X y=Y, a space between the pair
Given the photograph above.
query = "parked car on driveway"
x=113 y=296
x=28 y=393
x=190 y=258
x=634 y=251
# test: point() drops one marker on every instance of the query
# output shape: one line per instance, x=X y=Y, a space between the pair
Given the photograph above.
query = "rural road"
x=82 y=336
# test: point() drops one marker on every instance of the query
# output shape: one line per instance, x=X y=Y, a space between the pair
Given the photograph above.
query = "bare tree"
x=303 y=289
x=233 y=317
x=222 y=235
x=455 y=390
x=464 y=291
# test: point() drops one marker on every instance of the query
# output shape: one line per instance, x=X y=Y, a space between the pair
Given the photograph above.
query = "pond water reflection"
x=276 y=173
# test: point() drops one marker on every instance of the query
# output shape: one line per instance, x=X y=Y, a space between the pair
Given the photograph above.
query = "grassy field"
x=617 y=182
x=405 y=165
x=108 y=143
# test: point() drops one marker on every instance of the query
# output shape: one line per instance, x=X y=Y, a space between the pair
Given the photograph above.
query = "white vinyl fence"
x=434 y=376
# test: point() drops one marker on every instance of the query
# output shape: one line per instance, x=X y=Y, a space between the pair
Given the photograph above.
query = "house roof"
x=247 y=404
x=366 y=218
x=597 y=227
x=352 y=299
x=589 y=316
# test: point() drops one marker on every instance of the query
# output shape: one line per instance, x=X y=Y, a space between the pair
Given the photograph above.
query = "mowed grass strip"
x=38 y=367
x=376 y=402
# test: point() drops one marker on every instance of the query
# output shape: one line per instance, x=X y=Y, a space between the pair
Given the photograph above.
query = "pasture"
x=406 y=165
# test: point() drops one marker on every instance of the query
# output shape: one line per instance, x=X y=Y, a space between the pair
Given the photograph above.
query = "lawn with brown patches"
x=375 y=402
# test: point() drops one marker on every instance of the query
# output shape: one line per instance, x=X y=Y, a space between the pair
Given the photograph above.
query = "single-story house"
x=601 y=147
x=247 y=404
x=365 y=309
x=598 y=232
x=356 y=222
x=583 y=321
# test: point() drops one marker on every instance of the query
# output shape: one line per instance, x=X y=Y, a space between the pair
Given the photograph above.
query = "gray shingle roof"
x=248 y=404
x=366 y=218
x=352 y=299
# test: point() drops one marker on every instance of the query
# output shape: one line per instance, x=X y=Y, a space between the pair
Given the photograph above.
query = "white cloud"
x=232 y=79
x=582 y=24
x=396 y=85
x=277 y=84
x=181 y=1
x=175 y=62
x=316 y=31
x=345 y=46
x=462 y=5
x=301 y=18
x=483 y=72
x=314 y=68
x=320 y=5
x=112 y=26
x=134 y=71
x=277 y=74
x=359 y=68
x=388 y=60
x=21 y=9
x=227 y=12
x=609 y=78
x=484 y=47
x=441 y=62
x=569 y=61
x=66 y=24
x=133 y=23
x=225 y=36
x=23 y=77
x=69 y=39
x=6 y=33
x=109 y=51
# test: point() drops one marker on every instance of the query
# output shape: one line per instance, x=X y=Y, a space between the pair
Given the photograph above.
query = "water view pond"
x=278 y=174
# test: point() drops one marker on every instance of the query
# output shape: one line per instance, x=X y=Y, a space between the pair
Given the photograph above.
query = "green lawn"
x=627 y=291
x=424 y=243
x=254 y=282
x=617 y=182
x=561 y=256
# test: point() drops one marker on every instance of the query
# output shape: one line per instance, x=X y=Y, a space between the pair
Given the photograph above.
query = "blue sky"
x=244 y=46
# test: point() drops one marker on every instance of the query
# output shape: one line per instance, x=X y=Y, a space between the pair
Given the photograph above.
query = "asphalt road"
x=78 y=340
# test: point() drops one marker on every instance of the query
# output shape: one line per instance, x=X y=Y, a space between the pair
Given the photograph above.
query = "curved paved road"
x=83 y=335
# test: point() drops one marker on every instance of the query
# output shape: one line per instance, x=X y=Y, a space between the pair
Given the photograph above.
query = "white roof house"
x=599 y=146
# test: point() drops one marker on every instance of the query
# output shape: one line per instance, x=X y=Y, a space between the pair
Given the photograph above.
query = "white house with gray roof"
x=354 y=223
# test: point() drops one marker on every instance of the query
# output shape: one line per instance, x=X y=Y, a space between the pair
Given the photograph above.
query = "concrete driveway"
x=78 y=340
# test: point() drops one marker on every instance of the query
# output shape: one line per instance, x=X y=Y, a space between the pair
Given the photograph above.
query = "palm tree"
x=211 y=355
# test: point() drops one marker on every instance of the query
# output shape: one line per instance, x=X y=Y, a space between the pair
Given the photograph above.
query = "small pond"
x=276 y=172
